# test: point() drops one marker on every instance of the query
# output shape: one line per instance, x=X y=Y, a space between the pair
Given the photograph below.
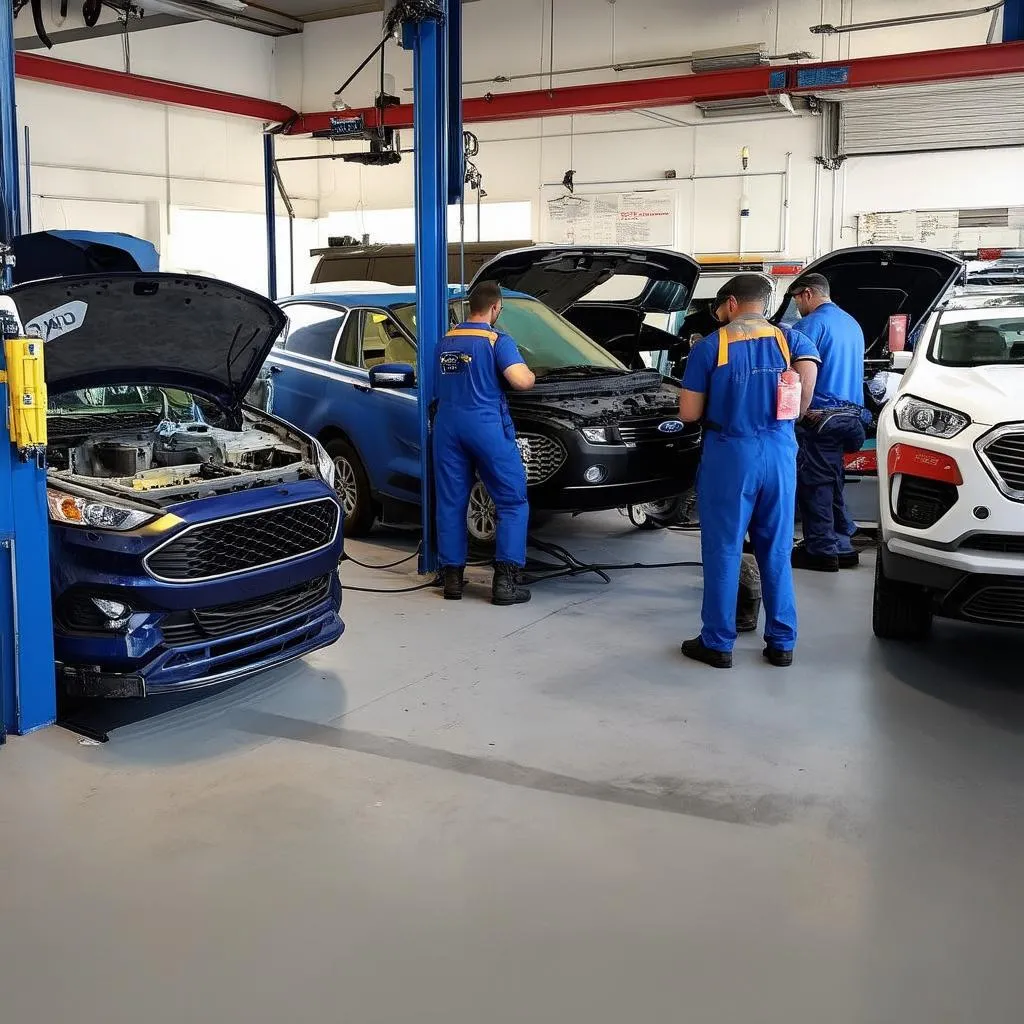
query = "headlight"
x=595 y=435
x=73 y=511
x=324 y=464
x=920 y=417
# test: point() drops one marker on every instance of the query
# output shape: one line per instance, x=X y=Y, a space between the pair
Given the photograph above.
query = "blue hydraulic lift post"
x=270 y=207
x=428 y=40
x=1013 y=21
x=28 y=698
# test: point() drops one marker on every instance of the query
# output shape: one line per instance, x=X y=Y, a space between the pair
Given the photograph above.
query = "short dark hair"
x=484 y=295
x=745 y=288
x=815 y=282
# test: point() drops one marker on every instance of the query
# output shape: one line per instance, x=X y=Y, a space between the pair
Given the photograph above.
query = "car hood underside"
x=173 y=330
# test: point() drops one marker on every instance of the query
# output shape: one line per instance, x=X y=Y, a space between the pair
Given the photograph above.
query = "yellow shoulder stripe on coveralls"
x=737 y=331
x=471 y=332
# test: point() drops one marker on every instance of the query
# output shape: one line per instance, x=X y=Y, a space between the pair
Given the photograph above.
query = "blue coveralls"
x=747 y=477
x=833 y=426
x=473 y=432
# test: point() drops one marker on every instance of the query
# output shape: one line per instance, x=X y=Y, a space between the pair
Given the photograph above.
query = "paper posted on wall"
x=613 y=218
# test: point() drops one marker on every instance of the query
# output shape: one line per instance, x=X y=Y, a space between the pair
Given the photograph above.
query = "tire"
x=353 y=487
x=900 y=611
x=481 y=518
x=655 y=515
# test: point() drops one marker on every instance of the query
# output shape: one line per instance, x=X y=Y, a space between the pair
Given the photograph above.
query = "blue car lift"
x=27 y=689
x=435 y=38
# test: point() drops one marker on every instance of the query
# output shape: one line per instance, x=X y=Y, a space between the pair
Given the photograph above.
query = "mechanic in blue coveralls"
x=748 y=382
x=833 y=426
x=473 y=434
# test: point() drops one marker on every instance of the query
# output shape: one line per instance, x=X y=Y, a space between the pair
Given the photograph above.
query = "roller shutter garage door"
x=976 y=114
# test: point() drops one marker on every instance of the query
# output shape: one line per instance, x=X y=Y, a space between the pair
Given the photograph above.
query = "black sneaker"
x=777 y=657
x=507 y=588
x=696 y=650
x=803 y=559
x=454 y=582
x=849 y=560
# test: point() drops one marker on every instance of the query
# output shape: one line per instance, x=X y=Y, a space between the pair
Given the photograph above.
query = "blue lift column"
x=1013 y=21
x=431 y=39
x=27 y=690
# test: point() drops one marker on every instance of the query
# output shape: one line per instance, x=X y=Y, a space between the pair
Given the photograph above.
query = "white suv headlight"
x=70 y=510
x=324 y=464
x=920 y=417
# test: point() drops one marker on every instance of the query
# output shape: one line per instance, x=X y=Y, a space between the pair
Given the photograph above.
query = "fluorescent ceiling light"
x=756 y=106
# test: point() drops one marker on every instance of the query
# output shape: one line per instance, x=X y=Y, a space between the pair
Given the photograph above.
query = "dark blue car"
x=194 y=539
x=594 y=433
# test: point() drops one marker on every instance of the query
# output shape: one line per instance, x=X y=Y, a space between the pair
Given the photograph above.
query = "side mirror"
x=393 y=377
x=901 y=361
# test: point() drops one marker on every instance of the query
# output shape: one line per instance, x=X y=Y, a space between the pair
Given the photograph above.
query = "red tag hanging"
x=787 y=405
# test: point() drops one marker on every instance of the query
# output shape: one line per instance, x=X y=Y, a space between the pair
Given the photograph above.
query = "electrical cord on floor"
x=565 y=566
x=390 y=565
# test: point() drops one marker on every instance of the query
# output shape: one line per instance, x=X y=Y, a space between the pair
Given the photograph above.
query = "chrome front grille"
x=543 y=457
x=1003 y=454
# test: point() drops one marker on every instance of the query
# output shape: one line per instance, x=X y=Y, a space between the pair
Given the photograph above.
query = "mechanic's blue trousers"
x=747 y=484
x=821 y=479
x=483 y=442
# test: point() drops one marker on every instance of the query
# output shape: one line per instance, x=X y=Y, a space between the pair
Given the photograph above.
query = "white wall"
x=113 y=163
x=520 y=160
x=110 y=163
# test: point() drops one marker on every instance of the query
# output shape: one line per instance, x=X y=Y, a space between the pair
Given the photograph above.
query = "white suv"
x=951 y=472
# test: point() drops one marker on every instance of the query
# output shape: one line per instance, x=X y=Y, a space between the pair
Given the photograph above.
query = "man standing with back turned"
x=473 y=432
x=833 y=426
x=748 y=382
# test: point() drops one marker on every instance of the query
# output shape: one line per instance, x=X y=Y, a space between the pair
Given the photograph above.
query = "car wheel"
x=353 y=487
x=901 y=611
x=655 y=515
x=481 y=517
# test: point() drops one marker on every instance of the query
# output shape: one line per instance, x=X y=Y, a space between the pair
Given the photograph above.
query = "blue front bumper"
x=187 y=635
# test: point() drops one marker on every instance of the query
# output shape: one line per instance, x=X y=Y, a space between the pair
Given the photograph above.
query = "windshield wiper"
x=585 y=370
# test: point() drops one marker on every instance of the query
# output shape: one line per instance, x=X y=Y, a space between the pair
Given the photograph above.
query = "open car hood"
x=561 y=275
x=875 y=282
x=171 y=330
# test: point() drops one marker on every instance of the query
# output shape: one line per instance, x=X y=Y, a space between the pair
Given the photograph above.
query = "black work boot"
x=454 y=582
x=777 y=656
x=849 y=560
x=696 y=650
x=803 y=559
x=508 y=585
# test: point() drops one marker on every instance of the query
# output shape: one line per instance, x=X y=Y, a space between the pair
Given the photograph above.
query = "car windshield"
x=141 y=400
x=547 y=341
x=965 y=339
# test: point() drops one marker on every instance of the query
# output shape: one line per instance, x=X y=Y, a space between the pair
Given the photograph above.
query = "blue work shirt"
x=737 y=370
x=472 y=360
x=840 y=343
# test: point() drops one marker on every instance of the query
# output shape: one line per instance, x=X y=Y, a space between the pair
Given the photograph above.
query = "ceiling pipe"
x=913 y=19
x=890 y=70
x=48 y=70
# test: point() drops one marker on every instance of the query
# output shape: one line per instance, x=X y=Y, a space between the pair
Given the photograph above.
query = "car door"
x=383 y=425
x=300 y=362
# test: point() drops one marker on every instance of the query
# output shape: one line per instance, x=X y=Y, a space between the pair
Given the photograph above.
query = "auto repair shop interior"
x=253 y=766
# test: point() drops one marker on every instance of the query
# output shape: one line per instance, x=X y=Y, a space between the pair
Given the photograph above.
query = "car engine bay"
x=173 y=461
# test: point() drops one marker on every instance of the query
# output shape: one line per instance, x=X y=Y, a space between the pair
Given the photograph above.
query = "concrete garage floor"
x=477 y=816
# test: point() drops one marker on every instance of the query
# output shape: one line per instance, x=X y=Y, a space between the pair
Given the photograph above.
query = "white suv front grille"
x=1002 y=452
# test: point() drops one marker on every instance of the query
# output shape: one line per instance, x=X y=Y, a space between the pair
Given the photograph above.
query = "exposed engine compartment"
x=176 y=461
x=598 y=402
